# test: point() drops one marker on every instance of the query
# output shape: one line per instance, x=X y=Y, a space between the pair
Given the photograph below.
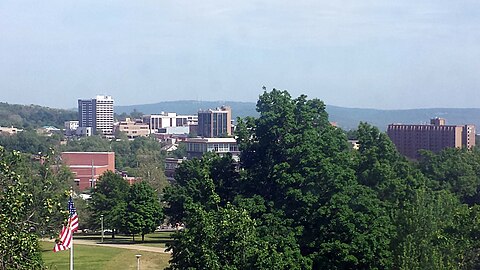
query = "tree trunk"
x=113 y=234
x=143 y=237
x=133 y=235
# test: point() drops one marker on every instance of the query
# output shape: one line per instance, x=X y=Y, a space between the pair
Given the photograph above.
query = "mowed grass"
x=156 y=239
x=94 y=257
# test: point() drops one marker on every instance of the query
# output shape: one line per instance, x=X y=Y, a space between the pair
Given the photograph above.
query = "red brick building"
x=409 y=139
x=88 y=166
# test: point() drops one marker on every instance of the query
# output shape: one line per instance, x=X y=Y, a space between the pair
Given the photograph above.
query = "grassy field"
x=94 y=257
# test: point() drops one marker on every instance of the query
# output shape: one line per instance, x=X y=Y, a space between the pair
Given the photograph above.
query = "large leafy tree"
x=18 y=242
x=109 y=198
x=295 y=159
x=209 y=181
x=143 y=211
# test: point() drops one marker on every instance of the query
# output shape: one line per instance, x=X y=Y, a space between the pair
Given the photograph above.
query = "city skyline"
x=371 y=54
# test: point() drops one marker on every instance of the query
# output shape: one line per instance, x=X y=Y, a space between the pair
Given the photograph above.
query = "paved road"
x=126 y=246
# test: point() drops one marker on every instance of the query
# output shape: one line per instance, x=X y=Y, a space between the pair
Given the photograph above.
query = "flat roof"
x=212 y=140
x=87 y=166
x=87 y=152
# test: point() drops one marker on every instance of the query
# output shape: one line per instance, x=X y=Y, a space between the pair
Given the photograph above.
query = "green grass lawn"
x=93 y=257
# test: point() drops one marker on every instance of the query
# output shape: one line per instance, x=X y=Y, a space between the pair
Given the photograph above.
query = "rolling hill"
x=346 y=118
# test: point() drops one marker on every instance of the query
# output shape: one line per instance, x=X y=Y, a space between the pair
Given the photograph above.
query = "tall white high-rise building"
x=96 y=113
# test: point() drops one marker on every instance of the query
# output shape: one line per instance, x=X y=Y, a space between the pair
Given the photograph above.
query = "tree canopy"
x=301 y=198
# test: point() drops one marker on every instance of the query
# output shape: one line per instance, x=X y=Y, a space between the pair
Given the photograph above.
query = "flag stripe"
x=65 y=241
x=73 y=221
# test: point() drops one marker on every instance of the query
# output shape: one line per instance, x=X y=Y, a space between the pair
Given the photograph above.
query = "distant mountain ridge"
x=346 y=118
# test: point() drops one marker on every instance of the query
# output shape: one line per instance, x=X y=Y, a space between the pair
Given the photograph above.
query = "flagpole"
x=71 y=255
x=71 y=249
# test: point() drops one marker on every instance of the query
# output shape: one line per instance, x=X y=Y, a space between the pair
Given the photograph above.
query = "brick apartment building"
x=409 y=139
x=88 y=166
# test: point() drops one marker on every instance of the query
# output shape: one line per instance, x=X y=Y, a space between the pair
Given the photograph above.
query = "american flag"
x=73 y=217
x=66 y=235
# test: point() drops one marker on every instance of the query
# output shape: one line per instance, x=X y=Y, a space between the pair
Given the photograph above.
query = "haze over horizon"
x=368 y=54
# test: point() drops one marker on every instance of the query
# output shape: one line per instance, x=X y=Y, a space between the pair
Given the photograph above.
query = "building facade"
x=409 y=139
x=96 y=113
x=88 y=166
x=196 y=147
x=215 y=123
x=168 y=120
x=132 y=129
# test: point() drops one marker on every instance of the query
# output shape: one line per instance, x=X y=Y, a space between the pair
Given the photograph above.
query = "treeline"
x=141 y=157
x=300 y=198
x=33 y=116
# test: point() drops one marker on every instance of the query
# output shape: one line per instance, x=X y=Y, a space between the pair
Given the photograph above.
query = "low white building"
x=196 y=147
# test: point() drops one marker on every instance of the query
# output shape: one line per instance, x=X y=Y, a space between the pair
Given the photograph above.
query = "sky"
x=366 y=54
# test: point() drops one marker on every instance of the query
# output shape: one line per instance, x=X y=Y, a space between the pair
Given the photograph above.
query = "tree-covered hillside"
x=33 y=116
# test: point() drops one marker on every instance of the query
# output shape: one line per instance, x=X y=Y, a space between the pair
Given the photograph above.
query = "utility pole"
x=101 y=220
x=93 y=176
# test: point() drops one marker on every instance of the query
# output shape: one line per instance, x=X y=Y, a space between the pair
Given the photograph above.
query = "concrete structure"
x=96 y=113
x=354 y=143
x=409 y=139
x=196 y=147
x=84 y=131
x=70 y=127
x=9 y=130
x=215 y=123
x=168 y=120
x=88 y=166
x=132 y=129
x=174 y=130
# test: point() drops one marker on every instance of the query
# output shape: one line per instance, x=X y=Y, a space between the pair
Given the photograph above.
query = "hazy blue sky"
x=369 y=53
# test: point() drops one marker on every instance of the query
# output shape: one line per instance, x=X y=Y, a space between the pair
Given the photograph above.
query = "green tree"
x=48 y=183
x=109 y=198
x=435 y=231
x=143 y=212
x=456 y=170
x=209 y=181
x=293 y=158
x=305 y=200
x=18 y=243
x=88 y=144
x=28 y=141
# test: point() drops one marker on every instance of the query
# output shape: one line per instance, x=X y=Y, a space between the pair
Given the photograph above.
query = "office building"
x=409 y=139
x=96 y=113
x=215 y=123
x=168 y=120
x=132 y=129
